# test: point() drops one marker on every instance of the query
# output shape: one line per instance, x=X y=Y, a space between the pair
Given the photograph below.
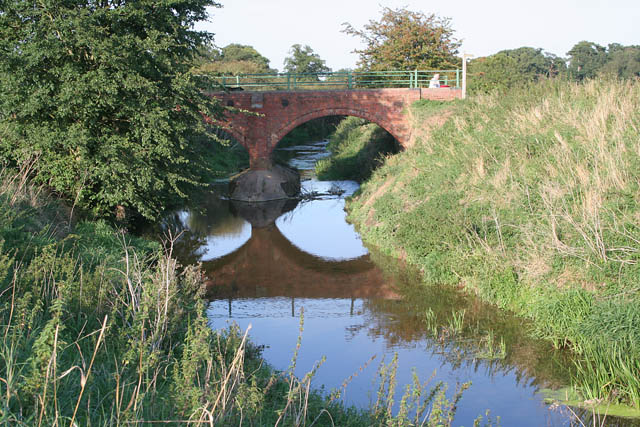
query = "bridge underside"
x=277 y=113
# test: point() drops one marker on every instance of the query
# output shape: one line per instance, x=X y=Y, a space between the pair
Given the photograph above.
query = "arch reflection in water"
x=319 y=227
x=209 y=232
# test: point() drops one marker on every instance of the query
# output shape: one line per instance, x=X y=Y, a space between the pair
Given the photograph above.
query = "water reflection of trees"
x=403 y=321
x=190 y=227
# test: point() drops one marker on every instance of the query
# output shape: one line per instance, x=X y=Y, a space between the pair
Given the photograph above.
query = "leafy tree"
x=511 y=67
x=586 y=59
x=622 y=61
x=495 y=72
x=233 y=59
x=403 y=39
x=304 y=60
x=97 y=96
x=533 y=63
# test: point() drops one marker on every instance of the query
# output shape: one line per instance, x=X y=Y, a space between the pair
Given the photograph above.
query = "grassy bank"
x=357 y=148
x=531 y=199
x=99 y=328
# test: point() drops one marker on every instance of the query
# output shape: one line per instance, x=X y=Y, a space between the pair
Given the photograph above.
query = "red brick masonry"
x=282 y=111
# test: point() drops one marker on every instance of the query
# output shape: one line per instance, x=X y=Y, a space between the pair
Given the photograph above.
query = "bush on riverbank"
x=357 y=148
x=313 y=130
x=531 y=199
x=100 y=328
x=227 y=160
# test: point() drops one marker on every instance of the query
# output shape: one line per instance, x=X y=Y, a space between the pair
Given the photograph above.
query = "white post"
x=464 y=73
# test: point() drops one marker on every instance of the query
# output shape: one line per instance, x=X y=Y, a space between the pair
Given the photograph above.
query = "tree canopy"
x=408 y=40
x=588 y=59
x=233 y=59
x=304 y=60
x=511 y=67
x=97 y=97
x=623 y=61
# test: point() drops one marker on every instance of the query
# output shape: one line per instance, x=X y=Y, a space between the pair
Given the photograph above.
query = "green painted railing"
x=338 y=80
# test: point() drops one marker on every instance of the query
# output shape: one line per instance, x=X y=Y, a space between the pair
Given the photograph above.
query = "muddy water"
x=267 y=263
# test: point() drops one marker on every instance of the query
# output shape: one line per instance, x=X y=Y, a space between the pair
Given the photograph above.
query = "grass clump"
x=531 y=200
x=357 y=148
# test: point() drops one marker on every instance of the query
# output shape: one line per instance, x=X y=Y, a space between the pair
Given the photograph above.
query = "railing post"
x=350 y=80
x=457 y=78
x=237 y=81
x=464 y=74
x=295 y=81
x=288 y=81
x=224 y=82
x=415 y=79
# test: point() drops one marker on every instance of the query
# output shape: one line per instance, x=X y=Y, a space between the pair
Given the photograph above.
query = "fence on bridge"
x=339 y=80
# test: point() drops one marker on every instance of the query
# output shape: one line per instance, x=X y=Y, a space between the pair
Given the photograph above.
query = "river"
x=268 y=263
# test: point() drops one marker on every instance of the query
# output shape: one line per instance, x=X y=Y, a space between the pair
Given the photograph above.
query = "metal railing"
x=338 y=80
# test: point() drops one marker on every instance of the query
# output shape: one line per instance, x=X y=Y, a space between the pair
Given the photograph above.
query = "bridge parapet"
x=341 y=80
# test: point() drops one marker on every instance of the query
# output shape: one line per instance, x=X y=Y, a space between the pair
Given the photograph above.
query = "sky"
x=485 y=27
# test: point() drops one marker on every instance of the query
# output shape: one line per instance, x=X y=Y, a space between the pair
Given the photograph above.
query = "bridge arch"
x=277 y=136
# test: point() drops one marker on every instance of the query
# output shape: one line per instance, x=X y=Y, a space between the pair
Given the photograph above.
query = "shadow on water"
x=264 y=262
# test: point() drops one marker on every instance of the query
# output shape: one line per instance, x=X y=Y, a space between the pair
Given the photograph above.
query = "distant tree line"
x=585 y=60
x=403 y=39
x=235 y=59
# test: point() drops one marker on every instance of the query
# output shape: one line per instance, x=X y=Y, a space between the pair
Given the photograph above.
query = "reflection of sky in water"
x=319 y=228
x=220 y=244
x=345 y=331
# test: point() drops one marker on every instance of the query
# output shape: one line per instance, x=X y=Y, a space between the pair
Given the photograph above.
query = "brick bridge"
x=279 y=112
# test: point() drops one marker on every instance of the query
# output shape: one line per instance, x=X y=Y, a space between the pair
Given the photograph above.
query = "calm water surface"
x=268 y=262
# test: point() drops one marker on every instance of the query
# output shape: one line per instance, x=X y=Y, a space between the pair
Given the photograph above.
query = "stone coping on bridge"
x=441 y=93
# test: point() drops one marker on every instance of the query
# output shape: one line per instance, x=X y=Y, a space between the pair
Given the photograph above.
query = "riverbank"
x=531 y=200
x=357 y=148
x=99 y=327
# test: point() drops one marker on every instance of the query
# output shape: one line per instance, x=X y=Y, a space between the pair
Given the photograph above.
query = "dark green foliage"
x=304 y=60
x=406 y=40
x=97 y=96
x=313 y=130
x=535 y=63
x=509 y=68
x=238 y=52
x=232 y=59
x=357 y=148
x=623 y=61
x=586 y=59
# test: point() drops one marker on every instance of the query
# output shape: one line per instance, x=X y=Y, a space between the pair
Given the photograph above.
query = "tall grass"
x=530 y=200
